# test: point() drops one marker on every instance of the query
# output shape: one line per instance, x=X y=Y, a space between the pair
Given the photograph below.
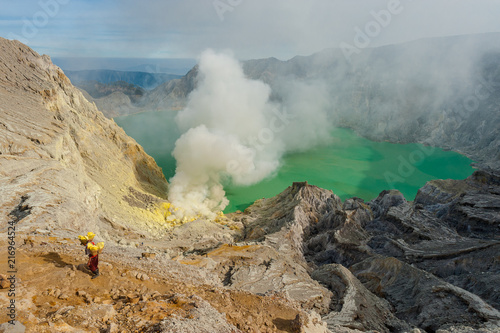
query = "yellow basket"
x=95 y=249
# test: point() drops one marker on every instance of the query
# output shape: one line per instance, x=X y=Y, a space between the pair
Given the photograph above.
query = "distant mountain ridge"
x=98 y=90
x=142 y=79
x=178 y=66
x=121 y=98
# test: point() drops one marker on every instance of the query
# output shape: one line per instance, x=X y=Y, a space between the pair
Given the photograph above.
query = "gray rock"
x=355 y=306
x=405 y=255
x=203 y=318
x=17 y=327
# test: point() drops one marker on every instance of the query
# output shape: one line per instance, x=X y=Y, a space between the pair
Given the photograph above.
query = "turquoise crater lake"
x=349 y=166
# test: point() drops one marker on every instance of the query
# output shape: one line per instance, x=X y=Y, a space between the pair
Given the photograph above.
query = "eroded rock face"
x=418 y=256
x=63 y=164
x=354 y=306
x=471 y=207
x=277 y=226
x=389 y=265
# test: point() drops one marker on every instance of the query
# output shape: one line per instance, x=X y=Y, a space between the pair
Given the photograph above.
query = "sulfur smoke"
x=232 y=132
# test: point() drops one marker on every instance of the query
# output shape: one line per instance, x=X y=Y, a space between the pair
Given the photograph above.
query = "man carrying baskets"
x=92 y=250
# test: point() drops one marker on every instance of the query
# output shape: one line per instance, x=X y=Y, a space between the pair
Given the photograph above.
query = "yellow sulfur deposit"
x=165 y=209
x=174 y=217
x=219 y=217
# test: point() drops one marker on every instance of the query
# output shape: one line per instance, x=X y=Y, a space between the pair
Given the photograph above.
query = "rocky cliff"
x=62 y=163
x=303 y=261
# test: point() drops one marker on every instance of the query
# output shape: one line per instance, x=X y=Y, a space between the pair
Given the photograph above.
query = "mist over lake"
x=350 y=165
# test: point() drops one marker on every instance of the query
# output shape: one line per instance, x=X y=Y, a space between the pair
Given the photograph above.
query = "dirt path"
x=54 y=293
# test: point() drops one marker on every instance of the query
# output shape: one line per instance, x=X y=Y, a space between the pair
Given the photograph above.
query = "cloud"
x=253 y=29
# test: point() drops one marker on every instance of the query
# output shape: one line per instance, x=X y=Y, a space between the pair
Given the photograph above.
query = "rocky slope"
x=62 y=163
x=150 y=293
x=303 y=261
x=171 y=95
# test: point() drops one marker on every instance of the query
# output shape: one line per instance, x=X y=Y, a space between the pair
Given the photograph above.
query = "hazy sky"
x=251 y=28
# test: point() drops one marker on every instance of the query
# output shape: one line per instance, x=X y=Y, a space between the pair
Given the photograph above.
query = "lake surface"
x=349 y=166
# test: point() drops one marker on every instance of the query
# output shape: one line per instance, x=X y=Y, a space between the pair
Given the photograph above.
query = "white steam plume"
x=232 y=132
